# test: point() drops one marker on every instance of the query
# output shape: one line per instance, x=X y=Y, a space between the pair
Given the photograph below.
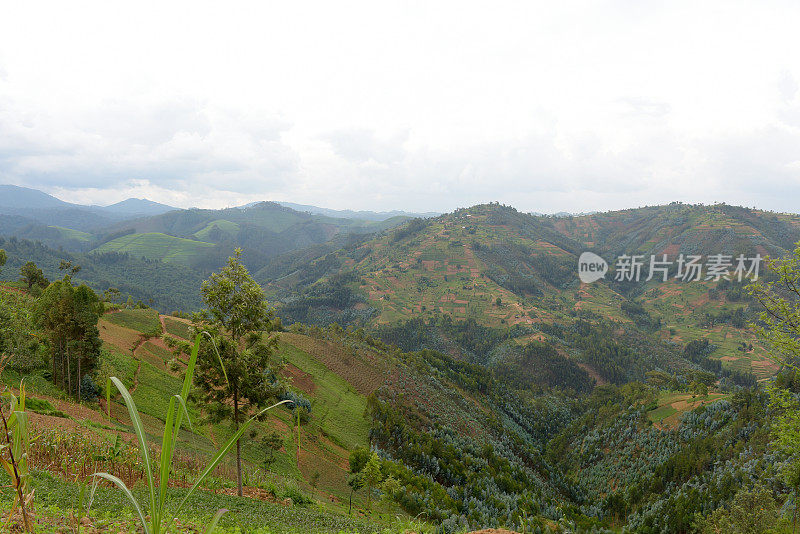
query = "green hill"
x=504 y=269
x=157 y=246
x=226 y=227
x=69 y=233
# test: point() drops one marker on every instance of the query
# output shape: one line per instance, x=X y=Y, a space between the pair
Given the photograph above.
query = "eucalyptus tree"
x=240 y=328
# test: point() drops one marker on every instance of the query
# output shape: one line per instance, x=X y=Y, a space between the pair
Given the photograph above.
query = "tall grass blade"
x=121 y=485
x=141 y=436
x=214 y=520
x=166 y=459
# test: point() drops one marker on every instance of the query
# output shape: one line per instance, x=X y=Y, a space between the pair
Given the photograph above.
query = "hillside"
x=507 y=270
x=469 y=446
x=197 y=239
x=167 y=286
x=135 y=351
x=157 y=246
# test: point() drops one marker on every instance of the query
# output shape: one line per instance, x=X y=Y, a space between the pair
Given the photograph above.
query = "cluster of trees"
x=331 y=301
x=441 y=332
x=639 y=315
x=413 y=227
x=168 y=286
x=540 y=364
x=68 y=314
x=510 y=266
x=60 y=326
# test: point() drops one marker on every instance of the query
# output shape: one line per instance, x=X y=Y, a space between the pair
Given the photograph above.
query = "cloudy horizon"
x=574 y=107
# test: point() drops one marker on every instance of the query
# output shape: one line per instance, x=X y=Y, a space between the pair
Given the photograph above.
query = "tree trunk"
x=238 y=444
x=69 y=373
x=794 y=516
x=54 y=355
x=61 y=362
x=78 y=385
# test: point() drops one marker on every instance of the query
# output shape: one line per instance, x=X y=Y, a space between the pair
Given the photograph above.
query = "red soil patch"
x=299 y=378
x=671 y=250
x=364 y=369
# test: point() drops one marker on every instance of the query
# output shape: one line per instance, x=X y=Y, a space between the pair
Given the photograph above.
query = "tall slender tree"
x=241 y=335
x=69 y=315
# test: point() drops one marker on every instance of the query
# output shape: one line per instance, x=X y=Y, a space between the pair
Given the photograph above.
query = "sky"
x=420 y=106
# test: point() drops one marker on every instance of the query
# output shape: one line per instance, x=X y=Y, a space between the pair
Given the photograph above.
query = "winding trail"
x=142 y=340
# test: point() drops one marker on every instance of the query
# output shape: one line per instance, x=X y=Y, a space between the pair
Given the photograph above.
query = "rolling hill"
x=468 y=447
x=503 y=269
x=157 y=246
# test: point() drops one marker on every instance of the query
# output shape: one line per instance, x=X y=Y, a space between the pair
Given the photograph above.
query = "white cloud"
x=414 y=105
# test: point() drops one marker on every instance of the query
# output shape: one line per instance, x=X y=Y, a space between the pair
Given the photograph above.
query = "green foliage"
x=540 y=364
x=14 y=458
x=159 y=519
x=238 y=321
x=753 y=511
x=69 y=314
x=20 y=339
x=372 y=476
x=32 y=275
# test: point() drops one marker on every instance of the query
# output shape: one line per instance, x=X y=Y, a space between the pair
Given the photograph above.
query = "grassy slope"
x=672 y=405
x=337 y=422
x=142 y=320
x=228 y=227
x=69 y=233
x=157 y=246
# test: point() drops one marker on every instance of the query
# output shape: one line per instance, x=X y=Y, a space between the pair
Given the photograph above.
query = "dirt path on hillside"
x=139 y=344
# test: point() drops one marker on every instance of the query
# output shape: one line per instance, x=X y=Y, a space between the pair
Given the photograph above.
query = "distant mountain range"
x=195 y=239
x=17 y=197
x=351 y=214
x=17 y=200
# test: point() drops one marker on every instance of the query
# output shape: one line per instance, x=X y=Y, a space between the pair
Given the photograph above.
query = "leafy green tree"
x=3 y=257
x=67 y=266
x=779 y=322
x=239 y=323
x=69 y=316
x=112 y=295
x=32 y=275
x=372 y=476
x=356 y=482
x=390 y=486
x=753 y=511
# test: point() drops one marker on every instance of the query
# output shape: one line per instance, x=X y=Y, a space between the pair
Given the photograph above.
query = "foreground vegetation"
x=570 y=422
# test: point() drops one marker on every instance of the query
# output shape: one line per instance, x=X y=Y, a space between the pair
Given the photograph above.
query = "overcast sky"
x=430 y=105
